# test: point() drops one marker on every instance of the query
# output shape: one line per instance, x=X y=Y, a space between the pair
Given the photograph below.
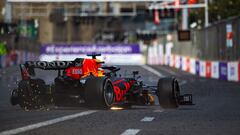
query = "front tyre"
x=168 y=92
x=99 y=92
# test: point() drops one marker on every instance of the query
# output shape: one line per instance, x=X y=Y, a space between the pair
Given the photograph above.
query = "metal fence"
x=211 y=42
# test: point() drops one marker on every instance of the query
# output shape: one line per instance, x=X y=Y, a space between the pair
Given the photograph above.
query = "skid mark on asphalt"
x=45 y=123
x=131 y=132
x=147 y=119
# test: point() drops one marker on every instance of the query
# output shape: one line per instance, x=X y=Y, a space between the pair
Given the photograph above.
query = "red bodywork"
x=91 y=66
x=121 y=87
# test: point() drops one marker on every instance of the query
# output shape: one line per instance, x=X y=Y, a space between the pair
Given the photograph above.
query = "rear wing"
x=27 y=69
x=54 y=65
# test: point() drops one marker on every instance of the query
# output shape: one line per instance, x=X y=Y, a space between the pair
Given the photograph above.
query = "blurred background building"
x=78 y=22
x=27 y=25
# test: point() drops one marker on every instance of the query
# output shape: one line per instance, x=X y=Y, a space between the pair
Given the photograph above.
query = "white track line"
x=131 y=132
x=182 y=82
x=169 y=71
x=158 y=111
x=147 y=119
x=154 y=71
x=45 y=123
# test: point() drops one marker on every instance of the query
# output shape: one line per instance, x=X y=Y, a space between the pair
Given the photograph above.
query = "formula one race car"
x=87 y=82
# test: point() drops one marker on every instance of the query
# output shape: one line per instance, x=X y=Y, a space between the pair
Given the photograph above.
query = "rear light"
x=24 y=72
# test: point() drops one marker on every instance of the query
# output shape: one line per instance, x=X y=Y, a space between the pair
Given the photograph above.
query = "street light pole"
x=185 y=19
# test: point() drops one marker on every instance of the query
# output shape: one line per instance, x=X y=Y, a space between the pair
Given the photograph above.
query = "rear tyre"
x=99 y=93
x=31 y=94
x=168 y=92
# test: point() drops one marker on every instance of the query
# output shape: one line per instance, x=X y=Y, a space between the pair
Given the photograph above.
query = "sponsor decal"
x=193 y=66
x=229 y=35
x=116 y=59
x=223 y=70
x=177 y=65
x=197 y=68
x=184 y=65
x=167 y=60
x=174 y=61
x=208 y=69
x=180 y=63
x=215 y=69
x=188 y=64
x=112 y=53
x=232 y=71
x=238 y=71
x=202 y=68
x=161 y=54
x=171 y=61
x=90 y=48
x=150 y=56
x=48 y=65
x=120 y=89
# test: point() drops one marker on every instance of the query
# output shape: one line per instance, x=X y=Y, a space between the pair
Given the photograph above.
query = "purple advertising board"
x=223 y=70
x=197 y=68
x=90 y=48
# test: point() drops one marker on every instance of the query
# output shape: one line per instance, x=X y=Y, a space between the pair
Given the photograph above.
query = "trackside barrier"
x=215 y=69
x=232 y=71
x=238 y=71
x=192 y=66
x=184 y=63
x=16 y=57
x=202 y=66
x=208 y=69
x=223 y=70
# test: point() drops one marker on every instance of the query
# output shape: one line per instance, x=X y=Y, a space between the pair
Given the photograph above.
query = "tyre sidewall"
x=95 y=89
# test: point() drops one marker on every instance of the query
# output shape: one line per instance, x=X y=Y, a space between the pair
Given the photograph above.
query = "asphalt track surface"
x=216 y=110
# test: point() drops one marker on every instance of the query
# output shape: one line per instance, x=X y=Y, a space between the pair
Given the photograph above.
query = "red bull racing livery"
x=89 y=83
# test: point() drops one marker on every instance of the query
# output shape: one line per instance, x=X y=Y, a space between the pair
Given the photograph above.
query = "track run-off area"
x=216 y=110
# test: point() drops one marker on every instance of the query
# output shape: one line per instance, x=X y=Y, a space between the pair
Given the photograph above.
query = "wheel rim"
x=108 y=94
x=176 y=92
